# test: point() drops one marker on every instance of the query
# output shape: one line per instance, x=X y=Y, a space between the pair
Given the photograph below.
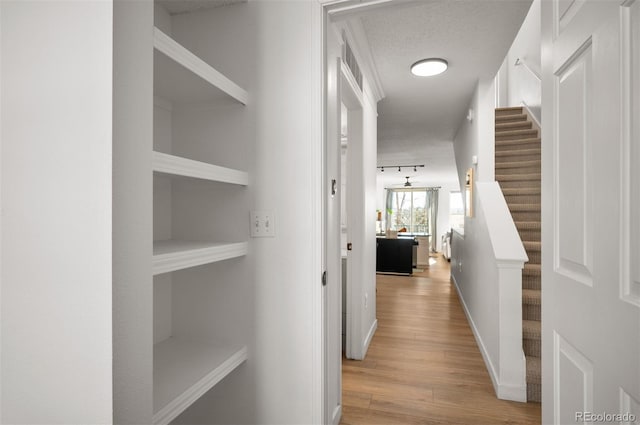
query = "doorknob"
x=349 y=246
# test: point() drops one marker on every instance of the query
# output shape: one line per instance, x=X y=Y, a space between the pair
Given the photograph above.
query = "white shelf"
x=178 y=166
x=181 y=76
x=174 y=255
x=184 y=370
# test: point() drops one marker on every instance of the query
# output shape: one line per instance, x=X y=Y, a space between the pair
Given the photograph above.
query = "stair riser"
x=530 y=312
x=531 y=347
x=510 y=118
x=526 y=215
x=516 y=135
x=514 y=125
x=507 y=112
x=531 y=282
x=534 y=393
x=519 y=183
x=529 y=169
x=515 y=146
x=522 y=199
x=534 y=257
x=516 y=157
x=529 y=235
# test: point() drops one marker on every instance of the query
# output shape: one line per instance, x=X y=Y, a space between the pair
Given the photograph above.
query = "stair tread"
x=518 y=141
x=511 y=132
x=512 y=177
x=534 y=370
x=519 y=164
x=531 y=296
x=521 y=191
x=531 y=329
x=523 y=207
x=513 y=125
x=510 y=118
x=516 y=152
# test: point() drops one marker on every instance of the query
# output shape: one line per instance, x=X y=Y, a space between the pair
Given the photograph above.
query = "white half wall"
x=56 y=103
x=486 y=267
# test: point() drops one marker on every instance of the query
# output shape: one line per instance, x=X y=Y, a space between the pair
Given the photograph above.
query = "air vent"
x=352 y=64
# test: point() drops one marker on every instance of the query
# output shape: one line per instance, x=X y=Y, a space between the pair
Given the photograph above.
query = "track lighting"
x=400 y=167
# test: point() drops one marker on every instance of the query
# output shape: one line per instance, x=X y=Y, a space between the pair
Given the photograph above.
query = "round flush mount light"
x=429 y=67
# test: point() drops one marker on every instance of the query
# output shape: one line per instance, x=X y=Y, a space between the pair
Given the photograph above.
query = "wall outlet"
x=263 y=224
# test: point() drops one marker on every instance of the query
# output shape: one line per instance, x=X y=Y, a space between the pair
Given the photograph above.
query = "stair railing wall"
x=486 y=267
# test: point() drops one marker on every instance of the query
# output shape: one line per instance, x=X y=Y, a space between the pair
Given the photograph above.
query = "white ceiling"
x=419 y=117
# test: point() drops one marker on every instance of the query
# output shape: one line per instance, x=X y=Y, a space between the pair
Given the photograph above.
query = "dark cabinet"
x=394 y=255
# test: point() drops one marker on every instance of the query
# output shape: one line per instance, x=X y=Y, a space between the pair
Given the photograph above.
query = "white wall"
x=132 y=204
x=521 y=85
x=476 y=137
x=56 y=212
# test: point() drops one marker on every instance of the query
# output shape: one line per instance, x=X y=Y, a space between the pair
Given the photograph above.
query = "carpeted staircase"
x=518 y=173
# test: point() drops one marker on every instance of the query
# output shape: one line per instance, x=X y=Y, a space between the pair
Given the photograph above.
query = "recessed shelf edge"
x=175 y=165
x=199 y=254
x=197 y=390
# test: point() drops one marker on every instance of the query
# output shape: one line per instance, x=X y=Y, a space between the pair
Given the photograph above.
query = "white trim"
x=167 y=45
x=367 y=340
x=175 y=255
x=178 y=166
x=317 y=234
x=337 y=415
x=503 y=392
x=357 y=39
x=351 y=83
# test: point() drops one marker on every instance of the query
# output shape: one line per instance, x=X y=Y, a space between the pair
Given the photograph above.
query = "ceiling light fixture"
x=429 y=67
x=407 y=183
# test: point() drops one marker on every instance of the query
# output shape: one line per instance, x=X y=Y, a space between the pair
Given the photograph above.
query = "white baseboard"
x=337 y=415
x=369 y=337
x=503 y=392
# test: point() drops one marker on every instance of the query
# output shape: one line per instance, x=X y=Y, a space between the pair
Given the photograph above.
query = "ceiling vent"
x=349 y=59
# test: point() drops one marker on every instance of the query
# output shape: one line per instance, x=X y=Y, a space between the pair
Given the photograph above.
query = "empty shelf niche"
x=172 y=255
x=181 y=76
x=184 y=370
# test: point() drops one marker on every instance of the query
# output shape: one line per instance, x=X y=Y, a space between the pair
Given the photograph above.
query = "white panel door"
x=591 y=211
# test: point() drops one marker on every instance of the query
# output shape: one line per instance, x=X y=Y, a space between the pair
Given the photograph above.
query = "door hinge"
x=324 y=278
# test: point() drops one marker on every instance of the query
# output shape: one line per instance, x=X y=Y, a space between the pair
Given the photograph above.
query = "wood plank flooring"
x=423 y=365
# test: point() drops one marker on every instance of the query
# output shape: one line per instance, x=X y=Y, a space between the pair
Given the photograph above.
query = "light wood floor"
x=423 y=365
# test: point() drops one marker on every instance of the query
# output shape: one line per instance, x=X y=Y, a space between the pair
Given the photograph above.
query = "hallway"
x=423 y=365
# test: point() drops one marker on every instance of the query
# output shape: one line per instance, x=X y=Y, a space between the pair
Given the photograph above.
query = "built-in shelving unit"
x=184 y=370
x=172 y=255
x=189 y=355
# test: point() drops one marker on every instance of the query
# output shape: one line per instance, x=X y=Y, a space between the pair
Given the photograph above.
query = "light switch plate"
x=262 y=224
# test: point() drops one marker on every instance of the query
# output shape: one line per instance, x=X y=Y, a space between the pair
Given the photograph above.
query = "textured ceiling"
x=419 y=117
x=176 y=7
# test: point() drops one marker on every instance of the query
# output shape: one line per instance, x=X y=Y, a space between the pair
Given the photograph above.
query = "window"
x=411 y=210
